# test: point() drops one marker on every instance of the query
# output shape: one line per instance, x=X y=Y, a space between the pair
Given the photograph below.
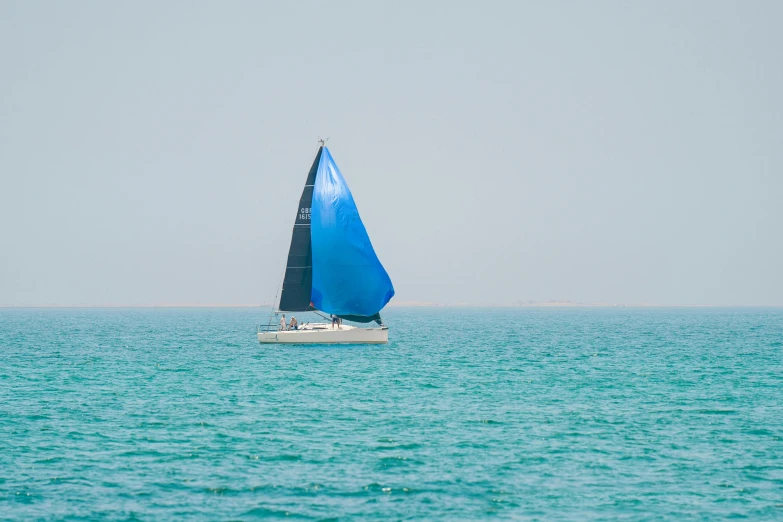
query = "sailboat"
x=331 y=268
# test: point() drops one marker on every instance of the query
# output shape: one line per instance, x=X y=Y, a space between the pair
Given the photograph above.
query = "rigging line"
x=275 y=303
x=320 y=314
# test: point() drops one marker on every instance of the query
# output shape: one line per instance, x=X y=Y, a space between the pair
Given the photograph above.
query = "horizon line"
x=407 y=304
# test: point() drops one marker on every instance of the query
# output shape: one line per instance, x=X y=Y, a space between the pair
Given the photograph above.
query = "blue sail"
x=348 y=278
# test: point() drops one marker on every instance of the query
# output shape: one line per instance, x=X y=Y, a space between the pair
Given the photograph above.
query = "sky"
x=499 y=152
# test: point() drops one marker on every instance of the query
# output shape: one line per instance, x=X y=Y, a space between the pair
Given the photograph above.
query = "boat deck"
x=325 y=333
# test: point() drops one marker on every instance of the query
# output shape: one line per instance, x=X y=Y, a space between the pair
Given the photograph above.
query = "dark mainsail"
x=298 y=280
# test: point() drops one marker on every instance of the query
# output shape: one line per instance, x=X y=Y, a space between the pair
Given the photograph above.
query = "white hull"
x=322 y=333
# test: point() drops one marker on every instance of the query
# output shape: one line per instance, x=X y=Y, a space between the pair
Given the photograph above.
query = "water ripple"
x=567 y=414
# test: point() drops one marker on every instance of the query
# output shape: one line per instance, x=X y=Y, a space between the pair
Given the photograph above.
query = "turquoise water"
x=467 y=414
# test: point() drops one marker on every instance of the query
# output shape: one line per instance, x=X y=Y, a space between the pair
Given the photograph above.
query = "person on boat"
x=294 y=323
x=283 y=325
x=335 y=321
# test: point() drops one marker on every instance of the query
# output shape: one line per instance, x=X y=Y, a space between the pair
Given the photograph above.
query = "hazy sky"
x=619 y=152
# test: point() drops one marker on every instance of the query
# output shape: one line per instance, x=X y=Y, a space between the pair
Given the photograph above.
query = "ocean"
x=467 y=414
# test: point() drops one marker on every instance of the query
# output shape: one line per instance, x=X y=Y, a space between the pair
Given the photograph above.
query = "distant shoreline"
x=412 y=304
